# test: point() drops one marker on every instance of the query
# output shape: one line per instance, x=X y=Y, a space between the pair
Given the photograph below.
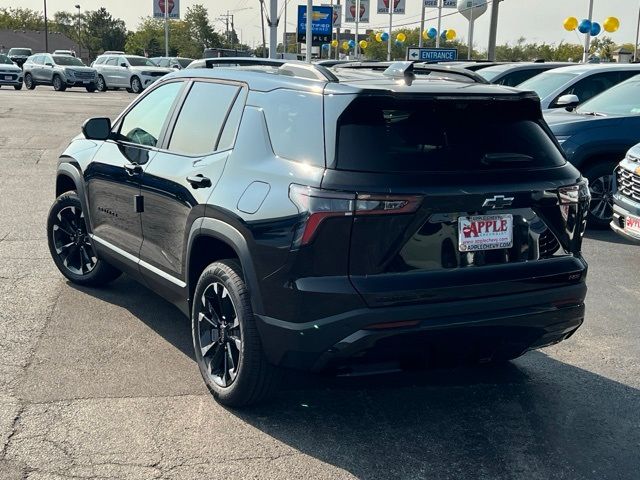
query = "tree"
x=200 y=29
x=102 y=32
x=21 y=19
x=603 y=47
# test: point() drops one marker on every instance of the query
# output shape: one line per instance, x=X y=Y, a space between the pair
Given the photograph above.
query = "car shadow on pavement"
x=607 y=236
x=533 y=418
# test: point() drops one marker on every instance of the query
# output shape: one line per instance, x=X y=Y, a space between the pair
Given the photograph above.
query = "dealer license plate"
x=485 y=232
x=632 y=224
x=7 y=77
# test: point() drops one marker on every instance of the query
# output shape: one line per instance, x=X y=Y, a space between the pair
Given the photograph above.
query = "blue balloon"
x=398 y=43
x=595 y=29
x=384 y=36
x=432 y=33
x=585 y=26
x=443 y=35
x=352 y=43
x=325 y=46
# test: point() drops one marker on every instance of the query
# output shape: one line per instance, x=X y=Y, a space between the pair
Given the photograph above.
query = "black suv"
x=304 y=220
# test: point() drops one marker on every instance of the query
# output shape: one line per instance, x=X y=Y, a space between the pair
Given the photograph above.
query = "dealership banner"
x=350 y=12
x=431 y=3
x=449 y=4
x=399 y=6
x=337 y=14
x=172 y=5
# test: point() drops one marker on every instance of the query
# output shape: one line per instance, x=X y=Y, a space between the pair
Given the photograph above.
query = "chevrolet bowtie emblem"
x=498 y=201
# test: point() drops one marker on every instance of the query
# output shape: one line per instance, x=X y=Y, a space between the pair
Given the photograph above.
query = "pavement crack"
x=12 y=431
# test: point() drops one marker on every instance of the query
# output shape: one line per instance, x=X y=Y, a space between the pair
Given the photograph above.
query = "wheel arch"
x=69 y=177
x=211 y=240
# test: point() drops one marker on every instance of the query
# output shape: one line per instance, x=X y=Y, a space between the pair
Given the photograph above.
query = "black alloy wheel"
x=219 y=335
x=136 y=85
x=227 y=345
x=71 y=241
x=71 y=246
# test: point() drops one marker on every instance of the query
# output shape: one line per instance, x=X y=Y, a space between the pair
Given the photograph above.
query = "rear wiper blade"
x=493 y=158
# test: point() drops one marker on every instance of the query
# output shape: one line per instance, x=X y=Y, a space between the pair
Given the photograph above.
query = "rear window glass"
x=389 y=135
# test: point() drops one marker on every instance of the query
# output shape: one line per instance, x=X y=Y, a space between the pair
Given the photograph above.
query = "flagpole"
x=390 y=29
x=439 y=23
x=420 y=39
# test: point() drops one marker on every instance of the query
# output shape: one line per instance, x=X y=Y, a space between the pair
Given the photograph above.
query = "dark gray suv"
x=60 y=71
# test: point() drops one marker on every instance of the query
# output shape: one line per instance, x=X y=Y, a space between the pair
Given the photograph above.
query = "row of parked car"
x=63 y=70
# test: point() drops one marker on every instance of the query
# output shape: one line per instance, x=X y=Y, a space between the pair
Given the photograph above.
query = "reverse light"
x=317 y=205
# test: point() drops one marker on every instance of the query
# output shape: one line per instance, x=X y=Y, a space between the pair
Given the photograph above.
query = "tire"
x=601 y=187
x=70 y=246
x=136 y=85
x=91 y=87
x=18 y=87
x=58 y=84
x=221 y=298
x=101 y=85
x=29 y=82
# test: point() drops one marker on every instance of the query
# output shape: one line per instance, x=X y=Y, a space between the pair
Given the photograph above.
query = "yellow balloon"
x=363 y=44
x=611 y=24
x=334 y=43
x=425 y=35
x=378 y=37
x=570 y=24
x=345 y=45
x=451 y=34
x=401 y=37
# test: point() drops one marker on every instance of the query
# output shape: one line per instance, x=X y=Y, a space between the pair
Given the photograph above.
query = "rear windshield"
x=389 y=135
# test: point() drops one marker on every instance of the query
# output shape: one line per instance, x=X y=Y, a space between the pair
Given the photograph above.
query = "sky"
x=536 y=20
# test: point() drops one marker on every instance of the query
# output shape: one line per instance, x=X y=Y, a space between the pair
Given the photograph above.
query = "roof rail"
x=286 y=67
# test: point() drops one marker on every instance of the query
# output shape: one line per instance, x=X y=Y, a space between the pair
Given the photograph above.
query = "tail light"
x=316 y=205
x=574 y=200
x=574 y=194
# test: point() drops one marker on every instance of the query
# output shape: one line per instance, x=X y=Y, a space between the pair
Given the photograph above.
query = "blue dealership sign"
x=321 y=26
x=432 y=54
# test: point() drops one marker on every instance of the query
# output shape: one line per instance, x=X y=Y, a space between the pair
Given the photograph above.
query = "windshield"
x=490 y=73
x=184 y=62
x=20 y=51
x=4 y=59
x=623 y=99
x=546 y=83
x=140 y=62
x=67 y=60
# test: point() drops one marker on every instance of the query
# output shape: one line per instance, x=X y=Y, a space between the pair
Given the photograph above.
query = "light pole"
x=78 y=26
x=635 y=46
x=587 y=37
x=309 y=29
x=493 y=31
x=391 y=5
x=46 y=29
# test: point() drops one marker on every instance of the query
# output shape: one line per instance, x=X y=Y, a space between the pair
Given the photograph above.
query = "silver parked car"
x=10 y=73
x=571 y=86
x=60 y=71
x=132 y=72
x=177 y=63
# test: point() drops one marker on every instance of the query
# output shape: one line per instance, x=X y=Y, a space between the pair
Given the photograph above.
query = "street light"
x=78 y=22
x=46 y=29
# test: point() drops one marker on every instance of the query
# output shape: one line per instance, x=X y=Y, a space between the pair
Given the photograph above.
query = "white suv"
x=132 y=72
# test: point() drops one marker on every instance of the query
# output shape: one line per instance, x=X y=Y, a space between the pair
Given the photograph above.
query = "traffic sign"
x=432 y=54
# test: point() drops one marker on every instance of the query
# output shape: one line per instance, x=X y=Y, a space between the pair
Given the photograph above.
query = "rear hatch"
x=454 y=197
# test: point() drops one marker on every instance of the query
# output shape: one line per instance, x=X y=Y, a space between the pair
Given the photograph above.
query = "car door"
x=112 y=179
x=38 y=71
x=108 y=71
x=33 y=66
x=47 y=70
x=184 y=173
x=122 y=72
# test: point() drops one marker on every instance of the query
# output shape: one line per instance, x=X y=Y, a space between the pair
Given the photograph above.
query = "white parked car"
x=571 y=86
x=132 y=72
x=10 y=73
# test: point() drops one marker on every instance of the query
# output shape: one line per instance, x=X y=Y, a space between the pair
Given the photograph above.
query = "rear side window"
x=112 y=61
x=389 y=135
x=201 y=118
x=100 y=60
x=517 y=77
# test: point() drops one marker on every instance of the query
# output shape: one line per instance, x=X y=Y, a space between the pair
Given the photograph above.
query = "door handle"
x=133 y=168
x=199 y=181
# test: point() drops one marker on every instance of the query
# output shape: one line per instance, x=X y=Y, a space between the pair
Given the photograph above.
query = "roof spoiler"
x=401 y=70
x=288 y=67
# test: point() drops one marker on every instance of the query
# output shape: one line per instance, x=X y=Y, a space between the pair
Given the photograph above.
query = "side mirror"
x=176 y=66
x=568 y=101
x=124 y=65
x=49 y=64
x=98 y=128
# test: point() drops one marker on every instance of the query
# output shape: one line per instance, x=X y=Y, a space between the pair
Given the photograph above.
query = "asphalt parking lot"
x=102 y=383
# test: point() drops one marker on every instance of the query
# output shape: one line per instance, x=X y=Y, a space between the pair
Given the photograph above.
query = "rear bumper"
x=513 y=323
x=620 y=212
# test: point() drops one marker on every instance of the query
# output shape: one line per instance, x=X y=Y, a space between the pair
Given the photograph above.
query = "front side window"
x=592 y=85
x=100 y=60
x=113 y=61
x=143 y=124
x=201 y=118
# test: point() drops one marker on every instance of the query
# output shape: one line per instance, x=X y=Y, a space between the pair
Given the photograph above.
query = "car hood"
x=563 y=123
x=153 y=69
x=80 y=69
x=5 y=67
